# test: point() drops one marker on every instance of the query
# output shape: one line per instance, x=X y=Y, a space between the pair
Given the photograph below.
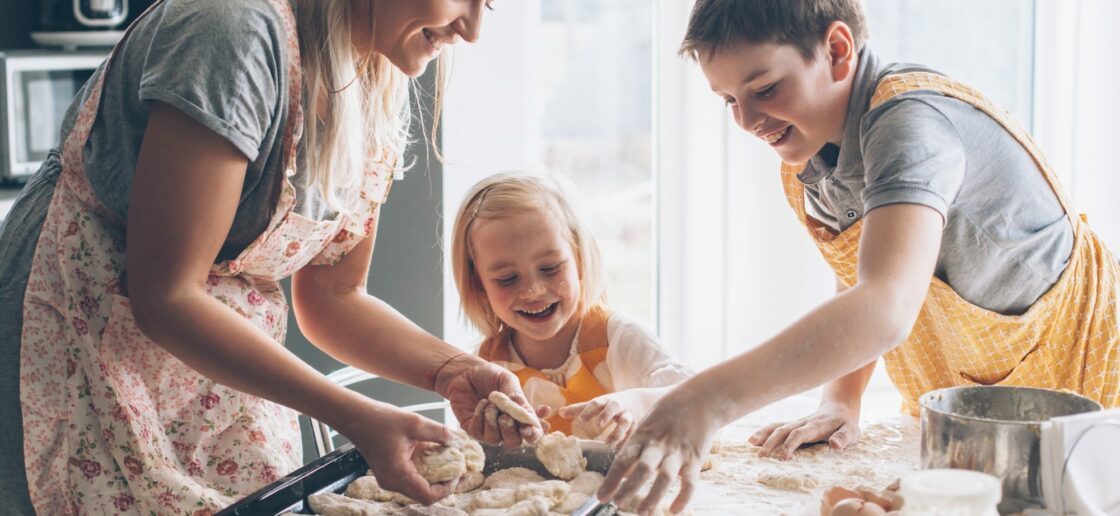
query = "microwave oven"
x=36 y=89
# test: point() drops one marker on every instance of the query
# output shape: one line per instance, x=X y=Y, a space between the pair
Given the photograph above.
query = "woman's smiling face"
x=410 y=33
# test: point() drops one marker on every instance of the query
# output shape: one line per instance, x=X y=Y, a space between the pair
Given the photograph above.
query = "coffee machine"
x=85 y=23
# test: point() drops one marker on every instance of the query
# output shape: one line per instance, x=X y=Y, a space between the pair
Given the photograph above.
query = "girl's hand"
x=671 y=441
x=838 y=423
x=610 y=417
x=467 y=384
x=387 y=437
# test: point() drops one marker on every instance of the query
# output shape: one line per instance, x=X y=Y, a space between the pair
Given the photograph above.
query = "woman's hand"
x=387 y=436
x=838 y=423
x=670 y=442
x=610 y=417
x=466 y=382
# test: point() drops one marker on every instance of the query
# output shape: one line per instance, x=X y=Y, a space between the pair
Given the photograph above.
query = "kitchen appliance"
x=85 y=23
x=36 y=88
x=336 y=470
x=995 y=430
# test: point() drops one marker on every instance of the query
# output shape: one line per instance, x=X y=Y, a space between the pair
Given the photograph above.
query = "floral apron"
x=578 y=382
x=1068 y=339
x=112 y=422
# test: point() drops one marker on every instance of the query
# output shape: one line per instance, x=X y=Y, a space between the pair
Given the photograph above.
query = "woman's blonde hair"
x=506 y=195
x=365 y=110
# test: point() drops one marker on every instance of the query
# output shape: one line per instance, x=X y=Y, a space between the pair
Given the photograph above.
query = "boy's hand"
x=835 y=422
x=610 y=417
x=670 y=442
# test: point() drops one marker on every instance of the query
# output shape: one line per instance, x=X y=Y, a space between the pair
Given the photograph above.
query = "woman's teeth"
x=773 y=137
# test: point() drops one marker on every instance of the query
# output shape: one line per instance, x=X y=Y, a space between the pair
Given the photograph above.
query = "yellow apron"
x=579 y=382
x=1069 y=339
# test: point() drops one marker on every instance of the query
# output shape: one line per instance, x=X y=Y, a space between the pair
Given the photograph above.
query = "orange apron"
x=113 y=422
x=578 y=383
x=1069 y=339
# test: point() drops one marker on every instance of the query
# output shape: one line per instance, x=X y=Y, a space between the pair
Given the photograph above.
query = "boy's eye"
x=766 y=92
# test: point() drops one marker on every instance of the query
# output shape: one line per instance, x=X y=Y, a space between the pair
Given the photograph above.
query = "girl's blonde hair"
x=505 y=195
x=366 y=113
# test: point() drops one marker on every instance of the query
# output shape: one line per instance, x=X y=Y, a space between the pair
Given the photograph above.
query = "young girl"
x=530 y=280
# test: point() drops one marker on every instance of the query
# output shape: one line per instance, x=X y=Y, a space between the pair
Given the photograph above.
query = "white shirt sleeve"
x=635 y=358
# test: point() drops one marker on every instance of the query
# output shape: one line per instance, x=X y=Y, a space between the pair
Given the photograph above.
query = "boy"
x=956 y=255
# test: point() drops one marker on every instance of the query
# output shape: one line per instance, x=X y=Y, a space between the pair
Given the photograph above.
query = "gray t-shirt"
x=1006 y=239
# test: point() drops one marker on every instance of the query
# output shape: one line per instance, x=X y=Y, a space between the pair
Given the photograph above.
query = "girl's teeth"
x=776 y=136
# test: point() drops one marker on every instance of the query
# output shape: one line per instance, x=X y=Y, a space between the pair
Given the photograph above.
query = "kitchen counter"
x=743 y=483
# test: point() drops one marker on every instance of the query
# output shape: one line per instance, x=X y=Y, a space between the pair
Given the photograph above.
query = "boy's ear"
x=841 y=50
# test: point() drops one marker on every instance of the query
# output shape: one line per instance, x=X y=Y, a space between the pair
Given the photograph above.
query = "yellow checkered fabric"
x=1069 y=339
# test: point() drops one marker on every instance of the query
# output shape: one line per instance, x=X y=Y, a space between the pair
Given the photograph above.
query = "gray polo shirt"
x=1006 y=239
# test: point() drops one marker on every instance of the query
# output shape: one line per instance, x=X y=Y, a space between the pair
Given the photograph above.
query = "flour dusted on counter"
x=744 y=483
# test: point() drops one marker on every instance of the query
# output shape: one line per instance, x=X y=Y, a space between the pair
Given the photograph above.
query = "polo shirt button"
x=851 y=214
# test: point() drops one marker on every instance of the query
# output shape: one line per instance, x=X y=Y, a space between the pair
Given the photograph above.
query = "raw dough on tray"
x=332 y=504
x=587 y=482
x=510 y=478
x=367 y=488
x=552 y=490
x=439 y=463
x=535 y=506
x=561 y=455
x=500 y=498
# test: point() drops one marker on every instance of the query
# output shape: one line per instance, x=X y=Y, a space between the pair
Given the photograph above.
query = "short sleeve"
x=219 y=62
x=635 y=358
x=912 y=154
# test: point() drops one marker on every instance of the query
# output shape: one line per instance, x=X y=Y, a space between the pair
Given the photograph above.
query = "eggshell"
x=857 y=507
x=870 y=495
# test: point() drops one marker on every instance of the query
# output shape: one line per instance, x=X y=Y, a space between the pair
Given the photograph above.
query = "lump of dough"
x=430 y=510
x=587 y=482
x=561 y=455
x=535 y=506
x=571 y=502
x=470 y=481
x=333 y=504
x=787 y=481
x=552 y=490
x=367 y=488
x=510 y=478
x=517 y=412
x=439 y=463
x=494 y=499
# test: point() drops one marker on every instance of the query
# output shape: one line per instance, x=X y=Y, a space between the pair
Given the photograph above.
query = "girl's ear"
x=841 y=48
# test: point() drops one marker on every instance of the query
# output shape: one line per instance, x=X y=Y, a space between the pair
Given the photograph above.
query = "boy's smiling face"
x=793 y=104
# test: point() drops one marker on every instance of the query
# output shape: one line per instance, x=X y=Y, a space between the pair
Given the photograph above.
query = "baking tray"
x=336 y=470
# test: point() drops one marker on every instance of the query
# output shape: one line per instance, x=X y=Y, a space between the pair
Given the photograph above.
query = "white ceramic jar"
x=950 y=492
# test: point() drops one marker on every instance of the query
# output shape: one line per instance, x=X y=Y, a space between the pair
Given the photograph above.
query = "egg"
x=857 y=507
x=870 y=495
x=834 y=495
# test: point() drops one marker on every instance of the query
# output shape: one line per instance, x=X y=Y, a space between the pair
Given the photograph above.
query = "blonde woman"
x=223 y=146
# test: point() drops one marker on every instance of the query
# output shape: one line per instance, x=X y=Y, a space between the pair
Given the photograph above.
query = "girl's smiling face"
x=530 y=275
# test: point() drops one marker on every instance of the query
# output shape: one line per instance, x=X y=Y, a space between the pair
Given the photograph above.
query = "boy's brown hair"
x=717 y=24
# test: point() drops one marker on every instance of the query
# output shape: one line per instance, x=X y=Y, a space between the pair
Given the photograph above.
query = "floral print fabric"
x=112 y=422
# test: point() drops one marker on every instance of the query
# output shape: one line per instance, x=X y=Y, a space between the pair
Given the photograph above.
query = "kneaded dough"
x=571 y=502
x=333 y=504
x=510 y=478
x=587 y=482
x=494 y=499
x=470 y=481
x=430 y=510
x=552 y=490
x=787 y=480
x=535 y=506
x=561 y=455
x=438 y=463
x=517 y=412
x=367 y=488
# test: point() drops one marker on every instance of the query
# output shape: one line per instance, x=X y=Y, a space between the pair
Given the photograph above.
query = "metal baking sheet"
x=336 y=470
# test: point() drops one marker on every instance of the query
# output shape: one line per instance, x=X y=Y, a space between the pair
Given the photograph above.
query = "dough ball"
x=535 y=506
x=517 y=412
x=494 y=499
x=470 y=481
x=510 y=478
x=430 y=510
x=561 y=455
x=552 y=490
x=571 y=502
x=367 y=488
x=587 y=482
x=438 y=463
x=333 y=504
